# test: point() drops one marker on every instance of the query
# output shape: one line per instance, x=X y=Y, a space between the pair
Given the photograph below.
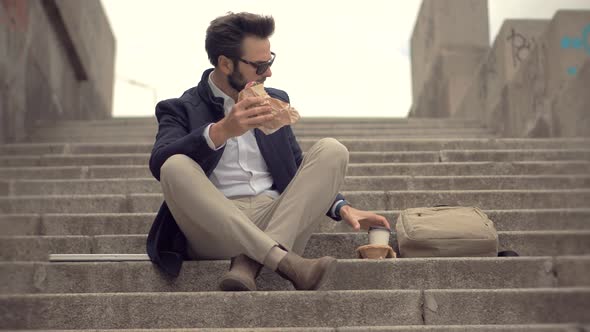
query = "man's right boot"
x=306 y=274
x=241 y=275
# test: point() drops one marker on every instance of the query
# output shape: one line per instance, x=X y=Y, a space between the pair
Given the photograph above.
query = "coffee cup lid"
x=378 y=227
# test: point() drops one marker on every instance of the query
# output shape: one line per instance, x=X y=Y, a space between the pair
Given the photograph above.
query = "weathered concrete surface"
x=517 y=306
x=355 y=157
x=524 y=107
x=406 y=328
x=139 y=223
x=350 y=274
x=569 y=268
x=504 y=220
x=133 y=123
x=403 y=182
x=370 y=169
x=511 y=47
x=448 y=77
x=465 y=328
x=143 y=130
x=211 y=309
x=95 y=45
x=56 y=62
x=66 y=137
x=369 y=200
x=353 y=145
x=339 y=245
x=268 y=309
x=571 y=107
x=440 y=28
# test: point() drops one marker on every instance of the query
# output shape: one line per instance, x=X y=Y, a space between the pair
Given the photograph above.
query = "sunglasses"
x=261 y=67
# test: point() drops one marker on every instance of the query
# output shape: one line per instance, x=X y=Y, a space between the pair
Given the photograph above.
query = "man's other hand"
x=358 y=219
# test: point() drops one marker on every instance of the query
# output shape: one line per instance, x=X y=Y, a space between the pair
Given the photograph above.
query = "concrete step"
x=150 y=131
x=142 y=139
x=296 y=309
x=73 y=172
x=469 y=168
x=514 y=155
x=76 y=160
x=125 y=136
x=353 y=145
x=466 y=182
x=504 y=220
x=351 y=274
x=300 y=126
x=66 y=203
x=362 y=144
x=458 y=328
x=366 y=169
x=365 y=200
x=352 y=183
x=143 y=158
x=406 y=328
x=355 y=157
x=305 y=121
x=339 y=245
x=139 y=223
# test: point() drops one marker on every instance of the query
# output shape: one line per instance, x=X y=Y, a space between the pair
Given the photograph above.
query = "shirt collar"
x=218 y=93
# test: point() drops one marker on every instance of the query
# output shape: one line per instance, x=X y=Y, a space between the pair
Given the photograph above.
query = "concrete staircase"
x=85 y=188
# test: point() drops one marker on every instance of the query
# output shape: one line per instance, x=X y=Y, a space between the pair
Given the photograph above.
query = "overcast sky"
x=334 y=58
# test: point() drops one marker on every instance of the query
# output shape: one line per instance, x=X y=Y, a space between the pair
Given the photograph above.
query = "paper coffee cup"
x=379 y=235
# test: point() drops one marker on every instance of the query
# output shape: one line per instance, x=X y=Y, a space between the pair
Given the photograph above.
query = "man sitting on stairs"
x=230 y=191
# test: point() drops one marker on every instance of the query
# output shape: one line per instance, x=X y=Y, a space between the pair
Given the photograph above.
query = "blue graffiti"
x=572 y=70
x=577 y=43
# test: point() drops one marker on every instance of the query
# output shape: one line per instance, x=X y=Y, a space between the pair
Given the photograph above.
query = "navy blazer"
x=181 y=123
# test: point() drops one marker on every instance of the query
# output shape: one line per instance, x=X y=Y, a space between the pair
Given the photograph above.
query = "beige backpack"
x=446 y=231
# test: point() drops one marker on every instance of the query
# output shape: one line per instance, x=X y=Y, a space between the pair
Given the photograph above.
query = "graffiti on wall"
x=581 y=43
x=521 y=46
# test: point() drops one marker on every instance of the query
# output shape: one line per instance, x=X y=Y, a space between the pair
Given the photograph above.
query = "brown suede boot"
x=306 y=274
x=241 y=275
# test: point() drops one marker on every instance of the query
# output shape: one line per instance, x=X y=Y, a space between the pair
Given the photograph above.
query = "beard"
x=237 y=82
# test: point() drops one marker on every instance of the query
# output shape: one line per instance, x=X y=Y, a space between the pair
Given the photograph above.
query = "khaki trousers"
x=220 y=228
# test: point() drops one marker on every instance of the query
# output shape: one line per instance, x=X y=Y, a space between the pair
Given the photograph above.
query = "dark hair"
x=226 y=33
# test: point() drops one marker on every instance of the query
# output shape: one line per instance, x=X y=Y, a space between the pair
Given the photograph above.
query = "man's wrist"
x=342 y=209
x=218 y=134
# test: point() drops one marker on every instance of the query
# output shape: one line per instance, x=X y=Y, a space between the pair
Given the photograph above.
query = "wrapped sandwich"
x=284 y=113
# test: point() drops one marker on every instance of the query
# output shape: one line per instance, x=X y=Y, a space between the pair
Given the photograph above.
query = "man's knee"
x=334 y=150
x=173 y=165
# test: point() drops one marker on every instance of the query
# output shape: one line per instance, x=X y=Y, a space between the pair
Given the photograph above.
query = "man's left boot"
x=241 y=275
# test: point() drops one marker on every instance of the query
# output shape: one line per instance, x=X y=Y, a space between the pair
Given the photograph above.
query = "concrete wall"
x=510 y=49
x=445 y=53
x=449 y=77
x=571 y=107
x=56 y=62
x=525 y=107
x=529 y=84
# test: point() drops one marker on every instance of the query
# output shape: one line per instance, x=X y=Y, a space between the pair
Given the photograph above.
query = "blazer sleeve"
x=174 y=137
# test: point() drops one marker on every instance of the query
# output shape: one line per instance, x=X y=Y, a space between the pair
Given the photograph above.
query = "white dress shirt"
x=241 y=171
